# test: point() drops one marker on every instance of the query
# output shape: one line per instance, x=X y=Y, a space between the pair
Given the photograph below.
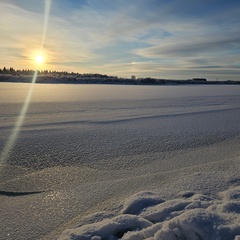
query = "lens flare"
x=46 y=20
x=13 y=137
x=17 y=127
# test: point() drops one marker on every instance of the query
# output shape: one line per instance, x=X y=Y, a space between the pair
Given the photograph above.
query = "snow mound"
x=108 y=229
x=137 y=202
x=190 y=217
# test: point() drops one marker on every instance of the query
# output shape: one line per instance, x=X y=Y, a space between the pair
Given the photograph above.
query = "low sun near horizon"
x=39 y=59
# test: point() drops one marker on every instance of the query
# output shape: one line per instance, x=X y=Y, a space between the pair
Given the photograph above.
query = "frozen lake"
x=86 y=148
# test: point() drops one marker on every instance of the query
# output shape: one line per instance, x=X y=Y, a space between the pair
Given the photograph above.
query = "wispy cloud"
x=191 y=47
x=162 y=37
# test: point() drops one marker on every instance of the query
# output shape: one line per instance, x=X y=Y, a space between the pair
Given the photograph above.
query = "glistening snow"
x=146 y=216
x=121 y=162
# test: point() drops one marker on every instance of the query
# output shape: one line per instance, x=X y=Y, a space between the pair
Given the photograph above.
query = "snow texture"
x=146 y=216
x=131 y=162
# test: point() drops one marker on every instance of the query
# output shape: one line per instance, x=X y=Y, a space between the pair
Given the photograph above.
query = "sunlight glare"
x=7 y=149
x=12 y=138
x=39 y=59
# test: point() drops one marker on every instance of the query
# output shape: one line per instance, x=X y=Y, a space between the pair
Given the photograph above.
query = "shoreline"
x=45 y=79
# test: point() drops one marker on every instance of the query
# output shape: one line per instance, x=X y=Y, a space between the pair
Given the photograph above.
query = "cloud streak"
x=160 y=36
x=192 y=47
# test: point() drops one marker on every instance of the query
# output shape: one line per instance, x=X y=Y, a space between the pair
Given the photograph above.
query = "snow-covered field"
x=121 y=162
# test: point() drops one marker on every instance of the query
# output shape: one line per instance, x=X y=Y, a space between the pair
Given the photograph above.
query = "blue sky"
x=172 y=39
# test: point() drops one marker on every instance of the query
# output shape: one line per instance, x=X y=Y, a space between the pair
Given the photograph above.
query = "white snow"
x=146 y=216
x=131 y=162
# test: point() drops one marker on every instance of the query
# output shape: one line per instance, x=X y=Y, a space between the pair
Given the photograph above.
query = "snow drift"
x=190 y=217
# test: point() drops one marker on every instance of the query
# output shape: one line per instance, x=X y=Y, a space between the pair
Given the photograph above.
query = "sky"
x=170 y=39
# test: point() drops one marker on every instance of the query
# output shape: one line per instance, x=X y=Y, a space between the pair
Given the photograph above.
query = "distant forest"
x=48 y=76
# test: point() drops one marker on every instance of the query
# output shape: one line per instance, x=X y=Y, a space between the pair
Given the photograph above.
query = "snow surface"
x=121 y=160
x=146 y=216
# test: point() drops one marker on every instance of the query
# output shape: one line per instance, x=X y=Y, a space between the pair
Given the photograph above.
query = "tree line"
x=13 y=71
x=49 y=76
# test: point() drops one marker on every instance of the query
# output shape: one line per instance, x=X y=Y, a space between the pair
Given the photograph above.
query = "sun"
x=39 y=59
